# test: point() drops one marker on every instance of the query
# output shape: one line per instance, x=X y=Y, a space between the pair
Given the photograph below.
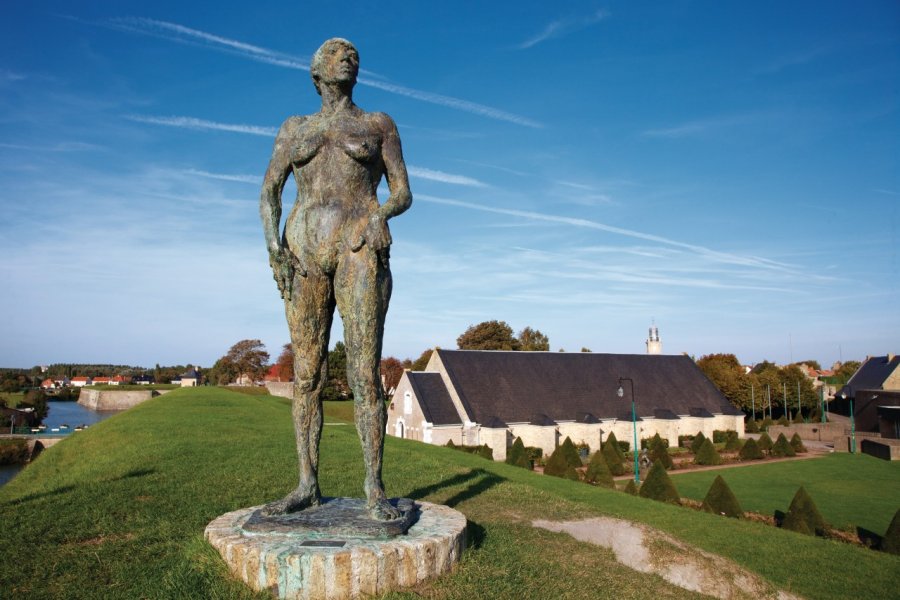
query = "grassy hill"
x=118 y=511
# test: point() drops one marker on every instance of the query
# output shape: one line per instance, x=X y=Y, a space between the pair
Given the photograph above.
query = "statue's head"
x=336 y=61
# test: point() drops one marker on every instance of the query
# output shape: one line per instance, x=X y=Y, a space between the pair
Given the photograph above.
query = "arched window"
x=407 y=402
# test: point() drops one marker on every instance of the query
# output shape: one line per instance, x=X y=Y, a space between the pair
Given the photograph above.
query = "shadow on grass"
x=31 y=497
x=475 y=534
x=479 y=480
x=136 y=473
x=869 y=539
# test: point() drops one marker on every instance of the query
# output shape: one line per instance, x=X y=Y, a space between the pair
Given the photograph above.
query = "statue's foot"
x=300 y=499
x=381 y=509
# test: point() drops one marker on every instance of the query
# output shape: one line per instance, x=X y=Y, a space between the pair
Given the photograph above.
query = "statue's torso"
x=337 y=165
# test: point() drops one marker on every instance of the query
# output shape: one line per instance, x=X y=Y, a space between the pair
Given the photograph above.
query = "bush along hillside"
x=707 y=454
x=782 y=448
x=803 y=516
x=658 y=451
x=751 y=451
x=720 y=500
x=613 y=458
x=732 y=441
x=631 y=488
x=797 y=444
x=697 y=442
x=518 y=456
x=616 y=445
x=658 y=486
x=597 y=472
x=564 y=462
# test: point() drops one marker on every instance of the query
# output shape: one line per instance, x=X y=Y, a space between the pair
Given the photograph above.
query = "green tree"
x=518 y=456
x=847 y=370
x=727 y=374
x=337 y=387
x=803 y=516
x=598 y=471
x=658 y=486
x=613 y=458
x=37 y=400
x=707 y=454
x=488 y=335
x=559 y=464
x=720 y=500
x=750 y=450
x=570 y=453
x=420 y=363
x=612 y=441
x=697 y=442
x=532 y=340
x=659 y=452
x=765 y=443
x=782 y=447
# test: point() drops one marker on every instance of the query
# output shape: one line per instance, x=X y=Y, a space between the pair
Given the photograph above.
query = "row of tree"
x=766 y=384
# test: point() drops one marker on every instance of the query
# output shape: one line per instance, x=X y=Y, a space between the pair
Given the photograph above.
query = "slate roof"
x=871 y=374
x=518 y=386
x=434 y=398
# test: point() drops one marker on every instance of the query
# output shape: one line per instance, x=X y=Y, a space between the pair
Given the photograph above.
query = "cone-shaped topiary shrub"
x=803 y=516
x=518 y=456
x=750 y=451
x=612 y=441
x=782 y=447
x=765 y=443
x=571 y=473
x=659 y=452
x=485 y=451
x=721 y=501
x=707 y=455
x=556 y=464
x=732 y=442
x=782 y=420
x=797 y=444
x=598 y=471
x=697 y=442
x=752 y=426
x=891 y=540
x=570 y=453
x=450 y=444
x=631 y=488
x=659 y=486
x=766 y=423
x=613 y=460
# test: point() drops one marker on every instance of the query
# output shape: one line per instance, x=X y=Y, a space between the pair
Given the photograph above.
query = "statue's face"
x=341 y=65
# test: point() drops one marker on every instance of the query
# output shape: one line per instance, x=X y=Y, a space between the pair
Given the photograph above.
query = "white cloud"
x=432 y=175
x=176 y=32
x=253 y=179
x=562 y=27
x=194 y=123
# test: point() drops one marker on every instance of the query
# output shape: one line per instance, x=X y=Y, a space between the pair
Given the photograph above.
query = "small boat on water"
x=54 y=430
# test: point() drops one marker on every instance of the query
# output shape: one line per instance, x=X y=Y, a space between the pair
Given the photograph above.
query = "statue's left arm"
x=376 y=234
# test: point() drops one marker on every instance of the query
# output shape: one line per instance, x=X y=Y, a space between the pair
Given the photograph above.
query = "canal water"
x=62 y=413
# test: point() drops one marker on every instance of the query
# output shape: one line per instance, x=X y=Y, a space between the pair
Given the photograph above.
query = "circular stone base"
x=311 y=565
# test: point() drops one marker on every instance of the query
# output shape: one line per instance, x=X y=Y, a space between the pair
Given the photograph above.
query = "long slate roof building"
x=491 y=397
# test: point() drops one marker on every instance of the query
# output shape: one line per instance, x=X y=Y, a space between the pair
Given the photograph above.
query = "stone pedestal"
x=334 y=562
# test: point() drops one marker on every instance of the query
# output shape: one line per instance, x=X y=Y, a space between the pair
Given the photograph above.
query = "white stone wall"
x=582 y=433
x=543 y=437
x=497 y=439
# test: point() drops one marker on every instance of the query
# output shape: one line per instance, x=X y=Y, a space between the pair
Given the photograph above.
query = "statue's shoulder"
x=293 y=124
x=383 y=121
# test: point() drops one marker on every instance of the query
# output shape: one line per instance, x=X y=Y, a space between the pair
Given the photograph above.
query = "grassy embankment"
x=119 y=511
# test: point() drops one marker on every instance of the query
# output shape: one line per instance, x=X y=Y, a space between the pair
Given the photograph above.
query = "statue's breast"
x=363 y=148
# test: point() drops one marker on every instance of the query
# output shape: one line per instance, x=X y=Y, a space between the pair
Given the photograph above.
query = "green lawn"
x=12 y=398
x=119 y=511
x=849 y=490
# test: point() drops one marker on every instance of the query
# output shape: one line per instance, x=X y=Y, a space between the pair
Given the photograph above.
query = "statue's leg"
x=309 y=313
x=363 y=289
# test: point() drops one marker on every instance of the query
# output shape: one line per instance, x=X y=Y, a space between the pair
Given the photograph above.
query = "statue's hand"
x=284 y=265
x=376 y=235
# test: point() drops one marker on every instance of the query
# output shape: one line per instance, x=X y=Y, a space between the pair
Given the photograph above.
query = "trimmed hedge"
x=598 y=472
x=721 y=500
x=751 y=451
x=658 y=486
x=707 y=455
x=617 y=445
x=518 y=456
x=613 y=460
x=752 y=426
x=765 y=443
x=732 y=441
x=891 y=540
x=563 y=462
x=803 y=516
x=631 y=488
x=570 y=453
x=659 y=452
x=782 y=447
x=797 y=444
x=697 y=442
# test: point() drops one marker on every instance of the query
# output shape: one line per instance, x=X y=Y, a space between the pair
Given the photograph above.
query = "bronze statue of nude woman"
x=334 y=252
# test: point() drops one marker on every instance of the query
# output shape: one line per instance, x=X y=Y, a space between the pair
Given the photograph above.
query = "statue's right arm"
x=281 y=259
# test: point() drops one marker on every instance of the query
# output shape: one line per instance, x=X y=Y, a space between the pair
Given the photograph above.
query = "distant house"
x=489 y=397
x=81 y=381
x=102 y=381
x=120 y=380
x=875 y=391
x=49 y=384
x=142 y=380
x=191 y=378
x=273 y=375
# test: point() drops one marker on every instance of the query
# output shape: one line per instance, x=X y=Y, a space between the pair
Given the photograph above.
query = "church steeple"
x=654 y=346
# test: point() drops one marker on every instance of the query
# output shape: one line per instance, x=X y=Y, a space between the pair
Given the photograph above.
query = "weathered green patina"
x=334 y=253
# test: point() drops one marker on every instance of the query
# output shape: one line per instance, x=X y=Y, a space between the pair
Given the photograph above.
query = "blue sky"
x=727 y=169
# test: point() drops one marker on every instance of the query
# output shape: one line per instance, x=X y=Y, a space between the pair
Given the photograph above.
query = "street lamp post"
x=621 y=393
x=852 y=421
